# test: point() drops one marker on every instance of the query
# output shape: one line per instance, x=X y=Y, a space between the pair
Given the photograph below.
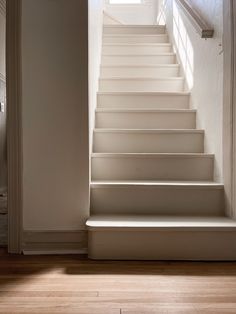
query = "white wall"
x=202 y=61
x=95 y=49
x=55 y=114
x=145 y=13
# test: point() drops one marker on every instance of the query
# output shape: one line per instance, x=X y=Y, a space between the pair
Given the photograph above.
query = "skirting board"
x=54 y=242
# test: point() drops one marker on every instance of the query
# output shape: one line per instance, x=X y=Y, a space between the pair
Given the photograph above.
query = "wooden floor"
x=74 y=284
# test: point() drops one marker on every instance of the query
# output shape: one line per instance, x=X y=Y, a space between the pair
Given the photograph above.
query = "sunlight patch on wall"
x=183 y=45
x=161 y=18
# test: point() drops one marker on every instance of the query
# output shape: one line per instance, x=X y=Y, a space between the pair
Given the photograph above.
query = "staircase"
x=152 y=190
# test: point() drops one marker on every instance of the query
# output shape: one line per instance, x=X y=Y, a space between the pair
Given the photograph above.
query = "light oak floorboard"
x=73 y=284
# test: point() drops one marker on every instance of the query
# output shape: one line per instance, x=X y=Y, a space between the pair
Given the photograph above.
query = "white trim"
x=56 y=252
x=229 y=112
x=201 y=26
x=54 y=242
x=14 y=126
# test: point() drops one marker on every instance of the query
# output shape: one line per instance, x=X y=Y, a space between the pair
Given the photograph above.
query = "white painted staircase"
x=152 y=190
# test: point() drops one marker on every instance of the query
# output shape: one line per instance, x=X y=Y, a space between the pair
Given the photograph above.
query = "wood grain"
x=73 y=284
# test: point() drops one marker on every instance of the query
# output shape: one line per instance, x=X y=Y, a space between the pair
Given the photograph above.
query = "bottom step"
x=161 y=238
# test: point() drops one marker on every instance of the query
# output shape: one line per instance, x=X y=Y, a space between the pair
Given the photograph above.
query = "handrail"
x=201 y=26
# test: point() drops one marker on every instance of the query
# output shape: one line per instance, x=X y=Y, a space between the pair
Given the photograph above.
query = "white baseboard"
x=54 y=242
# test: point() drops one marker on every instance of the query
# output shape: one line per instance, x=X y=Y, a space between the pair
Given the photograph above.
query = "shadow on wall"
x=181 y=41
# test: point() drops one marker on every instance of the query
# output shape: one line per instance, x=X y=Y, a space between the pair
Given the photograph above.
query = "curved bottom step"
x=161 y=238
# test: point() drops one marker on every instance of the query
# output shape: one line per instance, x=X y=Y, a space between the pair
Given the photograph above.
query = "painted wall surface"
x=3 y=153
x=55 y=114
x=202 y=62
x=96 y=8
x=145 y=13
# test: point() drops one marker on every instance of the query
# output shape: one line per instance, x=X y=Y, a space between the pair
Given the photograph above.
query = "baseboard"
x=54 y=242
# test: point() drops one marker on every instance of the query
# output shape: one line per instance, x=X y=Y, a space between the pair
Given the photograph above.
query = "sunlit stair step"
x=107 y=166
x=162 y=198
x=143 y=100
x=145 y=119
x=161 y=238
x=162 y=58
x=175 y=84
x=111 y=38
x=134 y=29
x=162 y=70
x=136 y=48
x=148 y=141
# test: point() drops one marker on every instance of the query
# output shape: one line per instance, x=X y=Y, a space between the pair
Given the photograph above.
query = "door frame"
x=229 y=106
x=14 y=117
x=14 y=124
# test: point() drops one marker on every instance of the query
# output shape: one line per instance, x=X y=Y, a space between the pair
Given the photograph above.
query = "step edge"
x=166 y=228
x=135 y=25
x=152 y=155
x=148 y=131
x=135 y=35
x=168 y=65
x=147 y=222
x=161 y=184
x=133 y=110
x=145 y=93
x=174 y=78
x=165 y=54
x=137 y=44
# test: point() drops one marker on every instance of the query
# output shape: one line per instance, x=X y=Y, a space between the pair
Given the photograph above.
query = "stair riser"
x=157 y=200
x=107 y=39
x=148 y=143
x=167 y=244
x=107 y=72
x=136 y=49
x=150 y=120
x=154 y=168
x=126 y=85
x=137 y=60
x=136 y=30
x=143 y=101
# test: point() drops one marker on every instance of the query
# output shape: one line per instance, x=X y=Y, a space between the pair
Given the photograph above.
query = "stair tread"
x=135 y=35
x=163 y=93
x=145 y=110
x=143 y=54
x=142 y=183
x=152 y=221
x=138 y=44
x=148 y=65
x=154 y=155
x=138 y=131
x=134 y=25
x=117 y=78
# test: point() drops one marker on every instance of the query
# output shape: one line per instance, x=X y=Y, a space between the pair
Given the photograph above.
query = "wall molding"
x=14 y=124
x=55 y=242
